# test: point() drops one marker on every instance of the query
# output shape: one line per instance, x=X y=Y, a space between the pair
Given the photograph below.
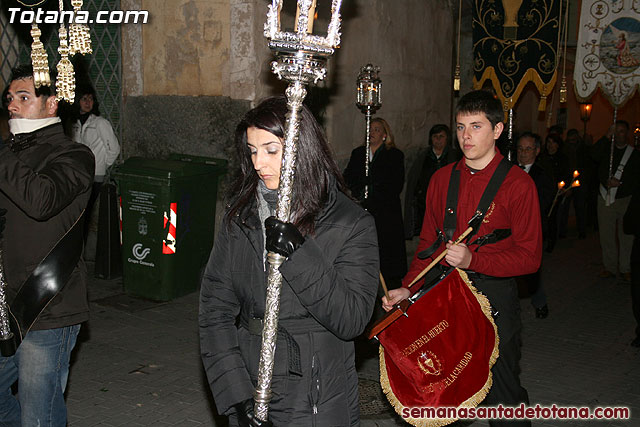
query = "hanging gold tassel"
x=79 y=36
x=39 y=59
x=456 y=74
x=66 y=81
x=563 y=90
x=563 y=84
x=542 y=106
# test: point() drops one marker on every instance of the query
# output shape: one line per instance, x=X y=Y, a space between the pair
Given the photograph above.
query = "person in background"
x=576 y=154
x=528 y=150
x=329 y=280
x=617 y=185
x=96 y=133
x=631 y=224
x=385 y=183
x=439 y=152
x=556 y=165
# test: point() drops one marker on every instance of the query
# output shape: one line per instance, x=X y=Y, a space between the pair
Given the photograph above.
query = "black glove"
x=282 y=237
x=3 y=220
x=246 y=418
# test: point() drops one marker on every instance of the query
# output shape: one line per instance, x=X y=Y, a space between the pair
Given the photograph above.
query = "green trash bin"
x=168 y=221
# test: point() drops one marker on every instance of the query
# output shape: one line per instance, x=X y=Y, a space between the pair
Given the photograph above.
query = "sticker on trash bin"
x=140 y=254
x=142 y=201
x=143 y=227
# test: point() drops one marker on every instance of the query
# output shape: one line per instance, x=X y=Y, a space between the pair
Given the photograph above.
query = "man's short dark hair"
x=535 y=136
x=481 y=101
x=556 y=129
x=22 y=72
x=623 y=123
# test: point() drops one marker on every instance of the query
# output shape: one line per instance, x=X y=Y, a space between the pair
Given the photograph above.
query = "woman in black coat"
x=329 y=282
x=385 y=183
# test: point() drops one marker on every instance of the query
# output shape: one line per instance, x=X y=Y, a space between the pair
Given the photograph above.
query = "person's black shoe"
x=542 y=312
x=635 y=342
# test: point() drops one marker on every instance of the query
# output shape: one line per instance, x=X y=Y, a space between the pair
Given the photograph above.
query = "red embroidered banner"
x=442 y=353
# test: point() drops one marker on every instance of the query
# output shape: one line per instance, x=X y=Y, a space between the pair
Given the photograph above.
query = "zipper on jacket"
x=315 y=385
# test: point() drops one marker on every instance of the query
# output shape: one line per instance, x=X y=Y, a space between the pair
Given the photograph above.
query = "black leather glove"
x=3 y=220
x=282 y=237
x=246 y=418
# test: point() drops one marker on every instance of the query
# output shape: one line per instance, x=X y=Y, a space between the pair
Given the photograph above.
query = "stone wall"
x=216 y=50
x=411 y=41
x=200 y=125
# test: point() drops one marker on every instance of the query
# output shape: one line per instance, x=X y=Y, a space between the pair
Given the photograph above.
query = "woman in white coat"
x=96 y=133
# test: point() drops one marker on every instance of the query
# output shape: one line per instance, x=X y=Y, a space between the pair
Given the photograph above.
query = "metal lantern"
x=301 y=59
x=368 y=100
x=369 y=93
x=585 y=115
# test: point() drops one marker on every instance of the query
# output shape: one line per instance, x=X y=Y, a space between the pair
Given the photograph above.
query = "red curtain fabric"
x=442 y=353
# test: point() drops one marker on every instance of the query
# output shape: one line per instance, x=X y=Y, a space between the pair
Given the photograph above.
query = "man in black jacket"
x=45 y=182
x=528 y=150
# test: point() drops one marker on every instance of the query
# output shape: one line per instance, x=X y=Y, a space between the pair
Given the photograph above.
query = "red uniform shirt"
x=515 y=207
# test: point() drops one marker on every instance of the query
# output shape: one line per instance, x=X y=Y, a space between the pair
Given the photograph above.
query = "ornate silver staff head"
x=368 y=100
x=301 y=56
x=369 y=91
x=301 y=59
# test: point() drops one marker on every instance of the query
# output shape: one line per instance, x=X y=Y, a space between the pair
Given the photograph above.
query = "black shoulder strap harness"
x=450 y=211
x=46 y=280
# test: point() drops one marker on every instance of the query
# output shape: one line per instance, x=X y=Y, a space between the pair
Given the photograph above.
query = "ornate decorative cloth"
x=608 y=52
x=442 y=353
x=514 y=43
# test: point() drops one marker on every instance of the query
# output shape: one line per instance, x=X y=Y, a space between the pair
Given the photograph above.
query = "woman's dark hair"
x=315 y=170
x=87 y=89
x=440 y=128
x=555 y=138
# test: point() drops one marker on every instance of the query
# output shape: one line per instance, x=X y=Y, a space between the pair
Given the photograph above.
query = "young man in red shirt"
x=491 y=267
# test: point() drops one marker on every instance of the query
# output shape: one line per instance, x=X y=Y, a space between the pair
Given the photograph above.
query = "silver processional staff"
x=301 y=59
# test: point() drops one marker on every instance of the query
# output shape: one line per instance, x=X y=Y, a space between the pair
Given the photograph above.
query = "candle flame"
x=575 y=183
x=560 y=185
x=576 y=174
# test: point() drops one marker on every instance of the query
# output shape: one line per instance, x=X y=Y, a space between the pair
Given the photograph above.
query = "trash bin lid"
x=220 y=165
x=163 y=169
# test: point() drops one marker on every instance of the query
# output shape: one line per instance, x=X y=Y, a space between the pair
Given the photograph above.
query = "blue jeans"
x=41 y=366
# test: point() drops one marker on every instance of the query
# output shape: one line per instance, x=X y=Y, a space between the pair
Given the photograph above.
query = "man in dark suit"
x=528 y=149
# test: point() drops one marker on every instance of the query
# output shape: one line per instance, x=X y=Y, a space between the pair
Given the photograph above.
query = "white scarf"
x=17 y=126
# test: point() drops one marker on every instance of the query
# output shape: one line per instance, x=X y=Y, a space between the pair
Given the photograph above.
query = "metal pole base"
x=8 y=346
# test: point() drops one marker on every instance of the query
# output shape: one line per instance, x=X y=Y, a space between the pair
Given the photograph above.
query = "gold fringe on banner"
x=39 y=59
x=530 y=76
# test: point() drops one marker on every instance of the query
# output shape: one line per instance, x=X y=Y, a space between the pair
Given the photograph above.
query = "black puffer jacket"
x=45 y=188
x=328 y=291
